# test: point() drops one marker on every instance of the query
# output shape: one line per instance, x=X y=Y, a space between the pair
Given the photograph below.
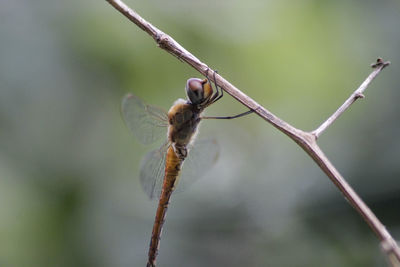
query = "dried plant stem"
x=306 y=140
x=379 y=65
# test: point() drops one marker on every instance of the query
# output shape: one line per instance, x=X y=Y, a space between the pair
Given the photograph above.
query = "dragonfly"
x=161 y=168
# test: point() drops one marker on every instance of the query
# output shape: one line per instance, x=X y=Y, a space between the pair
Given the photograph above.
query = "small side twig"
x=378 y=67
x=306 y=140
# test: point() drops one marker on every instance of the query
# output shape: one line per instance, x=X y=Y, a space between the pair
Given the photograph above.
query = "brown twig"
x=306 y=140
x=378 y=67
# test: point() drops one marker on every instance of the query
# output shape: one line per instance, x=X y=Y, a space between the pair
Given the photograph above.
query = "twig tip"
x=380 y=62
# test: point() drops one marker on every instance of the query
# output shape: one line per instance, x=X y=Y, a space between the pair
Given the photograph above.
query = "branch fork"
x=306 y=140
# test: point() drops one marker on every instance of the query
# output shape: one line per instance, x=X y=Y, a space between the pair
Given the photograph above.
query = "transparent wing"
x=148 y=123
x=202 y=156
x=152 y=171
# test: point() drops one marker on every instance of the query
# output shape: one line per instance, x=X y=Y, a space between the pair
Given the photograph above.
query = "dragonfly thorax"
x=183 y=119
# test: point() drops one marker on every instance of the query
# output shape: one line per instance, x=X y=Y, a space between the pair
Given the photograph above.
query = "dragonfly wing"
x=201 y=157
x=152 y=171
x=148 y=123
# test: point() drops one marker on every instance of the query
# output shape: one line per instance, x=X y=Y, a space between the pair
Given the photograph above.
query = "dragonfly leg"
x=216 y=88
x=218 y=91
x=230 y=117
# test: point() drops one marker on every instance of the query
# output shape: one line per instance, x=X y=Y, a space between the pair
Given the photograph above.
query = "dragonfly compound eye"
x=195 y=90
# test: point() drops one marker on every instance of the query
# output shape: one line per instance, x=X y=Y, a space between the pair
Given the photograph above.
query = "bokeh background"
x=69 y=188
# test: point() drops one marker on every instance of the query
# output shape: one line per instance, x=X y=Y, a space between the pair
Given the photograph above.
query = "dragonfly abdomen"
x=172 y=169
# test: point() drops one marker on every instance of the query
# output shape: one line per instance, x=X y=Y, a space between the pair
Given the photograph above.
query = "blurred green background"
x=69 y=188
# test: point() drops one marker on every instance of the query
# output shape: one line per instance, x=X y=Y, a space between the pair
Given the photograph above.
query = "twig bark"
x=306 y=140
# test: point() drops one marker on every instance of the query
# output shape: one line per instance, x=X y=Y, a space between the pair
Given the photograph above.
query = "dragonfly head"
x=198 y=91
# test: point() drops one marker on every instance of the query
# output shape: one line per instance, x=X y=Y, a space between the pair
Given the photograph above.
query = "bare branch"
x=306 y=140
x=378 y=67
x=167 y=43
